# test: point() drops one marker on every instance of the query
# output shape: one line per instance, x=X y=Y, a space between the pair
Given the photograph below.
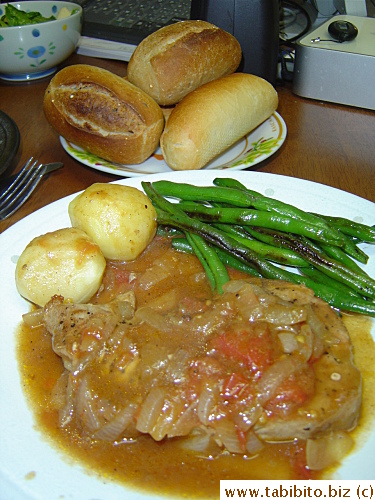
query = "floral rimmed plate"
x=252 y=149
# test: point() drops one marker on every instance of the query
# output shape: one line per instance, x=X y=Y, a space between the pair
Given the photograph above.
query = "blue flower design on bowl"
x=36 y=52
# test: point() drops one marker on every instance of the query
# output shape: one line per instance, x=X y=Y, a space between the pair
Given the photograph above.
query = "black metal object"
x=255 y=24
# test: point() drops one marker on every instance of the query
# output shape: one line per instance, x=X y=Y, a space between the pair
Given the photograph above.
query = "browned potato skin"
x=64 y=262
x=120 y=219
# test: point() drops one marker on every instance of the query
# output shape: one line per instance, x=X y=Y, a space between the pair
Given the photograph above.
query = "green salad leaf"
x=16 y=17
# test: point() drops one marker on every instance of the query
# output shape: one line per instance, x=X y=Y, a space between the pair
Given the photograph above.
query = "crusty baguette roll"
x=178 y=58
x=103 y=113
x=213 y=117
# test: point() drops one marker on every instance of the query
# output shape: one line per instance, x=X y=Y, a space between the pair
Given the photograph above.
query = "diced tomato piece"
x=252 y=348
x=293 y=392
x=122 y=276
x=192 y=305
x=116 y=280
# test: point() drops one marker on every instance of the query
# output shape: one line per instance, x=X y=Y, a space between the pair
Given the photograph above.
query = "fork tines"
x=21 y=188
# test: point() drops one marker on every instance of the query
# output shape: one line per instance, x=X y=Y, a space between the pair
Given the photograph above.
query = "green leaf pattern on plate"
x=258 y=148
x=90 y=158
x=251 y=150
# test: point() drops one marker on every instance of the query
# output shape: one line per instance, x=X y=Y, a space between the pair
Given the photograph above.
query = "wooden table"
x=326 y=143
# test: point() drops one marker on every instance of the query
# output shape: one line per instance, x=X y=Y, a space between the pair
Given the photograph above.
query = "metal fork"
x=21 y=188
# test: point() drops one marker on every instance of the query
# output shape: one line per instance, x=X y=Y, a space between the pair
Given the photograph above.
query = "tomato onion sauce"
x=168 y=466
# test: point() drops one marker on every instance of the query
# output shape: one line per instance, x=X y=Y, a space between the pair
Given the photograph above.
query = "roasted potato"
x=64 y=262
x=120 y=219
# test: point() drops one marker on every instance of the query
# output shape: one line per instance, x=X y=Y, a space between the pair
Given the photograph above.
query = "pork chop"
x=265 y=359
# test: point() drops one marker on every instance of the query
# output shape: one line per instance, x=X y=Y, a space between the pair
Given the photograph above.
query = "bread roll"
x=178 y=58
x=64 y=262
x=213 y=117
x=120 y=219
x=104 y=114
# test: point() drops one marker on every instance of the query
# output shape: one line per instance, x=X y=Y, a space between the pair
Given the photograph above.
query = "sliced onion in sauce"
x=165 y=302
x=247 y=301
x=253 y=444
x=177 y=366
x=246 y=419
x=33 y=318
x=274 y=375
x=151 y=410
x=280 y=314
x=307 y=342
x=288 y=342
x=196 y=442
x=152 y=318
x=326 y=451
x=115 y=427
x=86 y=408
x=186 y=422
x=168 y=415
x=207 y=402
x=227 y=434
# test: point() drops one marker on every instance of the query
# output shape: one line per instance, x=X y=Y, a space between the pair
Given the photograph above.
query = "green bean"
x=354 y=229
x=337 y=299
x=256 y=218
x=265 y=202
x=348 y=245
x=351 y=249
x=208 y=254
x=276 y=254
x=320 y=277
x=339 y=255
x=170 y=215
x=334 y=252
x=337 y=296
x=283 y=240
x=167 y=231
x=182 y=245
x=190 y=192
x=231 y=261
x=363 y=232
x=196 y=250
x=243 y=199
x=359 y=282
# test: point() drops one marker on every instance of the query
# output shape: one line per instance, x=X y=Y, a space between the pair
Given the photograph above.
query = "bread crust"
x=213 y=117
x=103 y=113
x=180 y=57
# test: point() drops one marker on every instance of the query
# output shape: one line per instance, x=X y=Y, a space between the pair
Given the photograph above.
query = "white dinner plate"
x=252 y=149
x=23 y=448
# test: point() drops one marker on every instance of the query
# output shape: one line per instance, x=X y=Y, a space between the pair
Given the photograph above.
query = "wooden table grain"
x=326 y=143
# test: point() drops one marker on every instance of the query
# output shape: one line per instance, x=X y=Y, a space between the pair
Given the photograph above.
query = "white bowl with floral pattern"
x=33 y=51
